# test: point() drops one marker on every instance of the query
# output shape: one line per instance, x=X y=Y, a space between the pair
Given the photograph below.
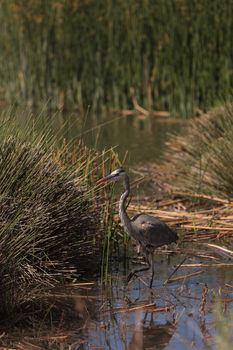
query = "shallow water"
x=124 y=323
x=135 y=317
x=142 y=138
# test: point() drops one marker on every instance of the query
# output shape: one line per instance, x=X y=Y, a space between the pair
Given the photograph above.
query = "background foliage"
x=170 y=55
x=200 y=159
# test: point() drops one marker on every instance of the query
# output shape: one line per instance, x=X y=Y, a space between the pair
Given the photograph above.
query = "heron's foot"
x=152 y=294
x=151 y=281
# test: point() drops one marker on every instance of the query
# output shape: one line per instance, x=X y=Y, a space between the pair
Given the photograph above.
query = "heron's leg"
x=153 y=269
x=134 y=272
x=139 y=258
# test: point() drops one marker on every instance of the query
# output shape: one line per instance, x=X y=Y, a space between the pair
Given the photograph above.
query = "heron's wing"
x=154 y=231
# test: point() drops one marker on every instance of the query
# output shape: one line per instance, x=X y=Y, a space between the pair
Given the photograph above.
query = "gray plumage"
x=148 y=231
x=152 y=231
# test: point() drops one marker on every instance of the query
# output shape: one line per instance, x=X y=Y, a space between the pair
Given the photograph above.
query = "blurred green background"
x=173 y=55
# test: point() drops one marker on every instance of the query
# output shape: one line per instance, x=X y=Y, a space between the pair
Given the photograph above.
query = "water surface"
x=142 y=138
x=133 y=316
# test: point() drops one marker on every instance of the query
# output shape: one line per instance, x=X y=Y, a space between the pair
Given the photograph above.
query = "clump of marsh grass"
x=46 y=214
x=201 y=159
x=50 y=213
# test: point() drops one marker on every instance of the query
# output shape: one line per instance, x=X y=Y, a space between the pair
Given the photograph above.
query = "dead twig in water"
x=176 y=269
x=203 y=300
x=184 y=277
x=81 y=284
x=208 y=265
x=221 y=250
x=151 y=307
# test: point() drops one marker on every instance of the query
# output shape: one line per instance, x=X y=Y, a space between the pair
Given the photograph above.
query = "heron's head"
x=116 y=175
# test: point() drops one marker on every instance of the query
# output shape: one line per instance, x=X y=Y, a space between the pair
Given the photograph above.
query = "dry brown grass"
x=51 y=215
x=200 y=160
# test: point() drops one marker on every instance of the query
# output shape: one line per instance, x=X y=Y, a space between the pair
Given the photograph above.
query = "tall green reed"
x=172 y=55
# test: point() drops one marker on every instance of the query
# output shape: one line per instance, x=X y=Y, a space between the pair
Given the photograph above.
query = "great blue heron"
x=148 y=231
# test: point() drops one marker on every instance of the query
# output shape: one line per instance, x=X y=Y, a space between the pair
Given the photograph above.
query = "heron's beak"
x=105 y=179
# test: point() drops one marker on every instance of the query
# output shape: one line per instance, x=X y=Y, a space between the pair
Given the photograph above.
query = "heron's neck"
x=122 y=211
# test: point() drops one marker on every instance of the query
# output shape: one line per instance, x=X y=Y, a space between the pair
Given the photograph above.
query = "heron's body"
x=152 y=231
x=148 y=231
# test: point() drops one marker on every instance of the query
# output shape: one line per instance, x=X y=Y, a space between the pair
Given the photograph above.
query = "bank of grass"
x=200 y=160
x=196 y=178
x=50 y=214
x=170 y=55
x=224 y=327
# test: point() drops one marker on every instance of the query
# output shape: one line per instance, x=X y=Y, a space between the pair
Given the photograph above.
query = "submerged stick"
x=221 y=250
x=183 y=277
x=176 y=269
x=150 y=306
x=208 y=265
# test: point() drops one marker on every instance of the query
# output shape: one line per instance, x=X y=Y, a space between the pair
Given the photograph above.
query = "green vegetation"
x=170 y=55
x=201 y=159
x=50 y=214
x=224 y=327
